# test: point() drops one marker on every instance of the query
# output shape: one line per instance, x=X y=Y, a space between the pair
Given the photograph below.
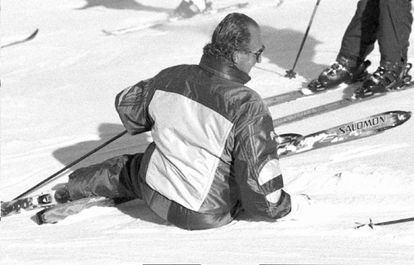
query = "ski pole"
x=372 y=224
x=291 y=73
x=53 y=176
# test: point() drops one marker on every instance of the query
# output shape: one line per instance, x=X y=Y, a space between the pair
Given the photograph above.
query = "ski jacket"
x=213 y=150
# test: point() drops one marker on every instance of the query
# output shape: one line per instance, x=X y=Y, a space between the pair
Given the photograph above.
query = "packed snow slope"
x=57 y=99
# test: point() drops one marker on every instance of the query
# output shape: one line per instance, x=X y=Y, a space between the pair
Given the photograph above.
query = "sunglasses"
x=258 y=54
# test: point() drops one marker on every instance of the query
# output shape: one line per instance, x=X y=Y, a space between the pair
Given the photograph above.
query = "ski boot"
x=388 y=77
x=186 y=9
x=342 y=71
x=61 y=193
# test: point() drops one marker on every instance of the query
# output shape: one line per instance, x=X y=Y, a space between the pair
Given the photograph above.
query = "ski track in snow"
x=57 y=104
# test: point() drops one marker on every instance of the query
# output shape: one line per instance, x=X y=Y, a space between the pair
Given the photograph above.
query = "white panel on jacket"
x=190 y=139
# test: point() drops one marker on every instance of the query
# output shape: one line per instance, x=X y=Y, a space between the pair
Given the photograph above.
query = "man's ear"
x=235 y=57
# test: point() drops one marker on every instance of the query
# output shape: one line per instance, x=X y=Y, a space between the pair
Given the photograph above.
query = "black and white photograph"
x=205 y=132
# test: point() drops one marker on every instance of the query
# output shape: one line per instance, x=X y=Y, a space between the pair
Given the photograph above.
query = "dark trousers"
x=114 y=178
x=386 y=21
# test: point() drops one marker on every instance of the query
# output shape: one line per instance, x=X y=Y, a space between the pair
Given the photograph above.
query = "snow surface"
x=57 y=99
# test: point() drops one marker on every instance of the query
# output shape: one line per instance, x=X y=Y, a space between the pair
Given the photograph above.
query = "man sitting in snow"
x=214 y=150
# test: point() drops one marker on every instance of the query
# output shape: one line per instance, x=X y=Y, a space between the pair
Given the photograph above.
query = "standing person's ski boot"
x=344 y=70
x=186 y=9
x=389 y=76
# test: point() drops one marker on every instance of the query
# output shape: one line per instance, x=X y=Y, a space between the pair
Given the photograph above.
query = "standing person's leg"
x=357 y=42
x=361 y=34
x=114 y=178
x=394 y=30
x=395 y=21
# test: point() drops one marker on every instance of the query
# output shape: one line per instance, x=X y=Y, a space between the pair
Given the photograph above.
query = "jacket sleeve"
x=256 y=164
x=132 y=106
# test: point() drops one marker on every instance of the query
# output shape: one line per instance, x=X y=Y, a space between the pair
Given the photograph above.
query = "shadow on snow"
x=282 y=46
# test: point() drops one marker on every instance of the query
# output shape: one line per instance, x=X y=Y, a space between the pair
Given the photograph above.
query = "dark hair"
x=231 y=34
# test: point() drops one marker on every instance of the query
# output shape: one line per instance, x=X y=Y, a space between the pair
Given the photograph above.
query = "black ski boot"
x=344 y=70
x=389 y=76
x=61 y=193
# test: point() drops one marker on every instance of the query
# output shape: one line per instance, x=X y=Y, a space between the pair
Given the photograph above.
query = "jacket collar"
x=223 y=68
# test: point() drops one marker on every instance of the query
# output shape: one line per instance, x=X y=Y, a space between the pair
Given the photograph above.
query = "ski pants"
x=116 y=177
x=386 y=21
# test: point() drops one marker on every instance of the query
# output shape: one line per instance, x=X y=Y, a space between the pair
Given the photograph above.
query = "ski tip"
x=34 y=33
x=107 y=33
x=30 y=37
x=403 y=116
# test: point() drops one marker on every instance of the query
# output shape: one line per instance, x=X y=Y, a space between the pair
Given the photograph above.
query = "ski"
x=286 y=97
x=126 y=30
x=30 y=37
x=290 y=144
x=342 y=103
x=301 y=93
x=170 y=19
